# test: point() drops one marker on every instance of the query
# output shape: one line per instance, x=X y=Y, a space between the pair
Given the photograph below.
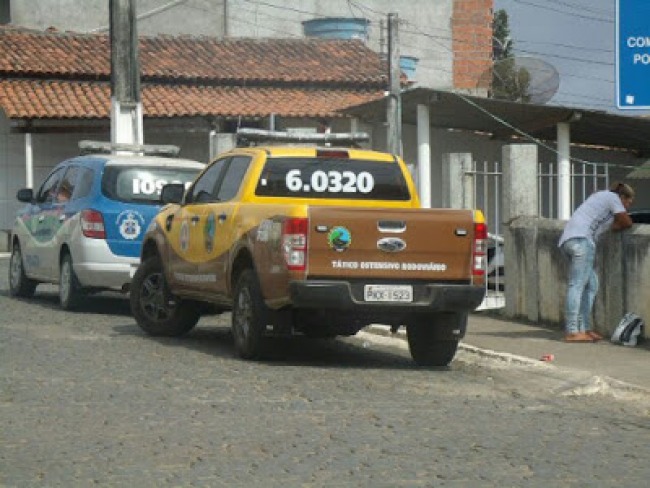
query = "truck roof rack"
x=102 y=147
x=250 y=137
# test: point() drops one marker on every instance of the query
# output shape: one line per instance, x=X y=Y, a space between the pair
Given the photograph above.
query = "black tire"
x=431 y=341
x=315 y=333
x=152 y=307
x=250 y=315
x=19 y=284
x=70 y=291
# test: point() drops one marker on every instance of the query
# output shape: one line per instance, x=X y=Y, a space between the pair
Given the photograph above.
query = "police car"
x=83 y=227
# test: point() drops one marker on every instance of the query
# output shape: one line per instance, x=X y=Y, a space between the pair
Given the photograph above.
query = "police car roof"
x=134 y=159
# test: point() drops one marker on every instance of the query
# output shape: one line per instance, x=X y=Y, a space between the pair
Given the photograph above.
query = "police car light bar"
x=341 y=138
x=90 y=147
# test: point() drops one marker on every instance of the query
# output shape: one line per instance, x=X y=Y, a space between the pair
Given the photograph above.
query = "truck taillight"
x=294 y=243
x=479 y=254
x=92 y=224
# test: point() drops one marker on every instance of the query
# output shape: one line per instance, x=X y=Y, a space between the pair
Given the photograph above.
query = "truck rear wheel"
x=249 y=316
x=432 y=340
x=151 y=306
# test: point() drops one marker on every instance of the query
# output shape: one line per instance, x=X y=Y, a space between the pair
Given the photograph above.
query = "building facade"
x=450 y=40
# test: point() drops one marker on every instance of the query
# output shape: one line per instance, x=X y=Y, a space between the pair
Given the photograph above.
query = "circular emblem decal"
x=339 y=239
x=185 y=236
x=130 y=223
x=208 y=232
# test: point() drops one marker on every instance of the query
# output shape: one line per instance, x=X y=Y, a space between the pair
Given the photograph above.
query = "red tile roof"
x=67 y=75
x=27 y=99
x=307 y=60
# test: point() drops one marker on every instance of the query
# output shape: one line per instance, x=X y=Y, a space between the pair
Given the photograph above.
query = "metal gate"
x=484 y=181
x=586 y=178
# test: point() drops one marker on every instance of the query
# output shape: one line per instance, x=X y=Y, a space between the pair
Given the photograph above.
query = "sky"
x=578 y=37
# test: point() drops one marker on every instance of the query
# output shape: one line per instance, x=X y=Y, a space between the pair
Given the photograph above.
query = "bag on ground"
x=629 y=330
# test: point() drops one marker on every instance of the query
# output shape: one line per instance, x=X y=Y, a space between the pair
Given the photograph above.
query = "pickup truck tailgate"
x=396 y=244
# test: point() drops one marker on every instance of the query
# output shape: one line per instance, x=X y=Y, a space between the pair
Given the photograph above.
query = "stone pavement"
x=492 y=335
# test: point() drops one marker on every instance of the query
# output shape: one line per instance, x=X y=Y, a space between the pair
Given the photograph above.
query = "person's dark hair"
x=622 y=189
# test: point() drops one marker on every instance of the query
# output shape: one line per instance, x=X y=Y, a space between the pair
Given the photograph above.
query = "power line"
x=546 y=7
x=147 y=14
x=581 y=7
x=568 y=46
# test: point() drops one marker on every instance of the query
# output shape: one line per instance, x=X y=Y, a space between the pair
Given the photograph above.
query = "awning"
x=505 y=120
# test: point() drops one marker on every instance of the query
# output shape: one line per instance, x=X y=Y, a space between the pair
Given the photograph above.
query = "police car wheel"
x=249 y=317
x=70 y=292
x=152 y=306
x=19 y=284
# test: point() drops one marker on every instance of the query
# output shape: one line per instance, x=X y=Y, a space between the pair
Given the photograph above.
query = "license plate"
x=388 y=293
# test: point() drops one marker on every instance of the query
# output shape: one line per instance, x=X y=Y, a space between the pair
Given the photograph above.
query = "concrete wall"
x=50 y=149
x=536 y=274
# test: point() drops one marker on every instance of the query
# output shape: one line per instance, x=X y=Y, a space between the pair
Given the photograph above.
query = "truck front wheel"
x=153 y=309
x=249 y=316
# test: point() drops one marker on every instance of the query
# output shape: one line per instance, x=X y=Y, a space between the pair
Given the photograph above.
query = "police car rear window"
x=142 y=184
x=329 y=178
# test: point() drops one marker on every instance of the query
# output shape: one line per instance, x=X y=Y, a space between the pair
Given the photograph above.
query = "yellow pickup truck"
x=319 y=241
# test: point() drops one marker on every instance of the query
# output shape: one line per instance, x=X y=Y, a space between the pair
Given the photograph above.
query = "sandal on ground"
x=594 y=335
x=578 y=337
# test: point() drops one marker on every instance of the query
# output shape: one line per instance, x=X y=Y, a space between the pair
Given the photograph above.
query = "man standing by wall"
x=602 y=211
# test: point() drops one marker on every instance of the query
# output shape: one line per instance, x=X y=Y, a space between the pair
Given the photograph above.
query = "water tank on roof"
x=408 y=65
x=337 y=28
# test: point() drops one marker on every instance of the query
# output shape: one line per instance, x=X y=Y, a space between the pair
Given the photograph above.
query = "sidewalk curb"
x=384 y=330
x=593 y=385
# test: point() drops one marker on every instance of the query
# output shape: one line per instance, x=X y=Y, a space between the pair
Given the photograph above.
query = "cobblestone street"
x=87 y=399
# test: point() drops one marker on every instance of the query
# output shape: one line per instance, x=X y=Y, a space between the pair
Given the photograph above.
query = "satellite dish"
x=521 y=79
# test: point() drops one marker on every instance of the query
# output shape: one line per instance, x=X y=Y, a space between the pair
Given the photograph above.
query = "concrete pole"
x=354 y=124
x=424 y=155
x=564 y=170
x=394 y=110
x=29 y=161
x=457 y=180
x=126 y=107
x=225 y=18
x=519 y=181
x=520 y=200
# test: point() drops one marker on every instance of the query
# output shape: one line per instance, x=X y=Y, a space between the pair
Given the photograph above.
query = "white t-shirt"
x=593 y=217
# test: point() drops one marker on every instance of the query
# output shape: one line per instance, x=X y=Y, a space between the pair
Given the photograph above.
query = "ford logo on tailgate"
x=391 y=244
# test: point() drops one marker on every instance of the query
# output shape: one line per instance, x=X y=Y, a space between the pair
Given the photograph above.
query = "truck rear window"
x=332 y=178
x=142 y=184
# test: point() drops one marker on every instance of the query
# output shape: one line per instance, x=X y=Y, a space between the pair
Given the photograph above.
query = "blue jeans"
x=582 y=286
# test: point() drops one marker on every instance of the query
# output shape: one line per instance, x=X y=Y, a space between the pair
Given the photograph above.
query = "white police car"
x=83 y=227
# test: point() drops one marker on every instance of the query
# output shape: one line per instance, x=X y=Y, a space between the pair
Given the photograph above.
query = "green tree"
x=509 y=81
x=501 y=42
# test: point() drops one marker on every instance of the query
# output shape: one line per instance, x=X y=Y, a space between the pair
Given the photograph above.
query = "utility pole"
x=225 y=19
x=394 y=111
x=126 y=107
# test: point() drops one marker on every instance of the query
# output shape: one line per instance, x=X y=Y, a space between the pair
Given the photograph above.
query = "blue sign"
x=633 y=54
